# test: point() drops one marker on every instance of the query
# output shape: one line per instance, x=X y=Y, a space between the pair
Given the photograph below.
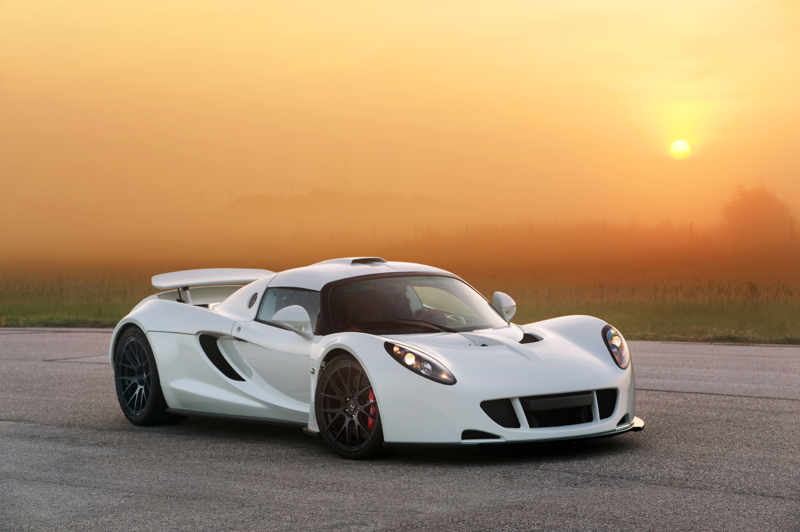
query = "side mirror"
x=294 y=318
x=504 y=305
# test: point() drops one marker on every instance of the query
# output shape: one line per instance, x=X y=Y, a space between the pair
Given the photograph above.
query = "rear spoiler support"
x=183 y=295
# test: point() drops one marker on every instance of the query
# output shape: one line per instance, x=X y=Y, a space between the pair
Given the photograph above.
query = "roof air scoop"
x=368 y=260
x=354 y=260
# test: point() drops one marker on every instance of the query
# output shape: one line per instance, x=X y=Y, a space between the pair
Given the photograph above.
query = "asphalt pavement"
x=720 y=451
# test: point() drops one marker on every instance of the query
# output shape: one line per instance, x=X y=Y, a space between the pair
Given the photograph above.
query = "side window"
x=277 y=298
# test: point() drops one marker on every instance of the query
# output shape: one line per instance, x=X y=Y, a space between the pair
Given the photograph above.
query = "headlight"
x=420 y=364
x=617 y=346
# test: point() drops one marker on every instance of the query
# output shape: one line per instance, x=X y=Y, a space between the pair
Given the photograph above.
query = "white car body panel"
x=279 y=367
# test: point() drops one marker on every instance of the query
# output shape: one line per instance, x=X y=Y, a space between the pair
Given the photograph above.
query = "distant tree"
x=756 y=217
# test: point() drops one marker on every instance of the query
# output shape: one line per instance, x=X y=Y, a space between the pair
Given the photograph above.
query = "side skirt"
x=244 y=419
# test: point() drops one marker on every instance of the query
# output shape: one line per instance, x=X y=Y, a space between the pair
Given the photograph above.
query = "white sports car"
x=368 y=353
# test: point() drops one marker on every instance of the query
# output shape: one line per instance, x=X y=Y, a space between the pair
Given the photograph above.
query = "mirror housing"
x=504 y=305
x=294 y=318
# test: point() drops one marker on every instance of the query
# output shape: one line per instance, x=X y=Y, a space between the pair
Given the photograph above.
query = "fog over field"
x=522 y=145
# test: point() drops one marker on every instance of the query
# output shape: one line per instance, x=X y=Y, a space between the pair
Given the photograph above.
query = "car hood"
x=568 y=358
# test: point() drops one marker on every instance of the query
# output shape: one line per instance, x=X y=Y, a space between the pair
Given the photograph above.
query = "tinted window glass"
x=397 y=305
x=277 y=298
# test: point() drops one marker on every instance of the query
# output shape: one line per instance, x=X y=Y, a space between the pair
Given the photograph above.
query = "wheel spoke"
x=128 y=351
x=139 y=400
x=362 y=429
x=348 y=422
x=140 y=353
x=356 y=426
x=344 y=426
x=128 y=387
x=132 y=397
x=349 y=374
x=361 y=376
x=337 y=396
x=336 y=386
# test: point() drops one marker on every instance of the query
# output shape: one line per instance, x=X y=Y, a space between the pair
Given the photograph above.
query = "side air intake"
x=529 y=338
x=211 y=349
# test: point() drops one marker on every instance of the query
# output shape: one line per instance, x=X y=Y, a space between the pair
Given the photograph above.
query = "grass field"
x=644 y=306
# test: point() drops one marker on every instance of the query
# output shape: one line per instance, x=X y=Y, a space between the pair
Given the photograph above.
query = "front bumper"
x=634 y=426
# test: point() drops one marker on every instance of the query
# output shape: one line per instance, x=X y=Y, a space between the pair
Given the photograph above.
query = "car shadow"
x=559 y=451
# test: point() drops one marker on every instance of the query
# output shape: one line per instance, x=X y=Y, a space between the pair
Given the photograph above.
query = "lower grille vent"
x=606 y=402
x=502 y=412
x=478 y=435
x=557 y=410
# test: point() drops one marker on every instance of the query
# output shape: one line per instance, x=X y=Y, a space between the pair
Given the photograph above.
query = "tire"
x=347 y=412
x=138 y=386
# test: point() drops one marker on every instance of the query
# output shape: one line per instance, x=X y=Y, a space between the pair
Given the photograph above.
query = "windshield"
x=405 y=305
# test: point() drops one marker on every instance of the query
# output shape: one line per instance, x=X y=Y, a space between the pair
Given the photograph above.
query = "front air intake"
x=606 y=402
x=557 y=410
x=502 y=412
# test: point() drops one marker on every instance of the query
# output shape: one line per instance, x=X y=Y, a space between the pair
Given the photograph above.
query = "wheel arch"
x=117 y=334
x=333 y=353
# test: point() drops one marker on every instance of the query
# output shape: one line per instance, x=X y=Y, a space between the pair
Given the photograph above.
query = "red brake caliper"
x=373 y=409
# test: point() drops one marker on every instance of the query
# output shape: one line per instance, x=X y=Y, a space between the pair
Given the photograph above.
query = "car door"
x=280 y=358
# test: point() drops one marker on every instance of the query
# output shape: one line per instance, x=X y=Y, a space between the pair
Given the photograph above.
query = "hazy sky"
x=525 y=109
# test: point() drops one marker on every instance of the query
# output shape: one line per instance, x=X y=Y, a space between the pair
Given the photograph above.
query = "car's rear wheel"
x=347 y=411
x=138 y=386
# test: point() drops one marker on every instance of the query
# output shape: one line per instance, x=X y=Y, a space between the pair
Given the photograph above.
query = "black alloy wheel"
x=347 y=411
x=138 y=386
x=133 y=378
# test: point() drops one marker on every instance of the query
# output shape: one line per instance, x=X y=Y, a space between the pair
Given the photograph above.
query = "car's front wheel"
x=138 y=385
x=347 y=411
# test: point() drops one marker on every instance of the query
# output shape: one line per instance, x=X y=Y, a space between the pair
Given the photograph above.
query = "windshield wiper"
x=441 y=328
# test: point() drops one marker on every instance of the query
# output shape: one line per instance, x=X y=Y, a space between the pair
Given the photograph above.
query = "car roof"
x=315 y=276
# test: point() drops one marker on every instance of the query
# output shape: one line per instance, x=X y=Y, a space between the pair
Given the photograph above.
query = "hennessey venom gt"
x=368 y=353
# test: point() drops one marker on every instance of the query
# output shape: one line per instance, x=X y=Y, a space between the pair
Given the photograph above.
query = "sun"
x=680 y=149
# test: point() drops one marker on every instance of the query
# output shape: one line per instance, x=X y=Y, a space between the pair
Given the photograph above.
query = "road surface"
x=721 y=451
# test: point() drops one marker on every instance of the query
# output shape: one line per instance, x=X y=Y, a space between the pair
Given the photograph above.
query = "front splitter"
x=634 y=426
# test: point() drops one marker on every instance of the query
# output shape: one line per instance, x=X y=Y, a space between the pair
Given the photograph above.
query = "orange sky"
x=548 y=111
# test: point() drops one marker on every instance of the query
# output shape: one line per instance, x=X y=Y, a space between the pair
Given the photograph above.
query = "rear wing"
x=209 y=277
x=215 y=277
